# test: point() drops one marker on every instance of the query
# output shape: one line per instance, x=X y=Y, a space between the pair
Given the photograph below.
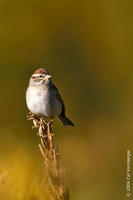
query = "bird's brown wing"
x=59 y=98
x=62 y=117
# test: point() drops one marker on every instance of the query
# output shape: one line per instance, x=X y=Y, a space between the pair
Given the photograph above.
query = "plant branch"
x=51 y=158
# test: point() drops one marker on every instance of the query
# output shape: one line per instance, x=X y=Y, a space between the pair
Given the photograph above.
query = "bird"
x=43 y=98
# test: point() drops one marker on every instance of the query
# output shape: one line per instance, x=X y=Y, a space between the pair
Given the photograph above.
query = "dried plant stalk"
x=51 y=158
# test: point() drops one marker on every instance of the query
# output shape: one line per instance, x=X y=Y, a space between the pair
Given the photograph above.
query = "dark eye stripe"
x=37 y=79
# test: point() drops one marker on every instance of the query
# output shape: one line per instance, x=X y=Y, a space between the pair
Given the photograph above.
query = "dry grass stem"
x=51 y=158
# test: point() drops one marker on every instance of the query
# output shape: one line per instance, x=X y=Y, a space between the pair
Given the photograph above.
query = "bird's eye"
x=40 y=76
x=33 y=77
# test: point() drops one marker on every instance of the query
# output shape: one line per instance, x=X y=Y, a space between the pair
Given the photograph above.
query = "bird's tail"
x=66 y=121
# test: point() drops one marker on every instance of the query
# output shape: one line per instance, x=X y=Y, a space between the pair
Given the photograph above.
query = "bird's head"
x=40 y=76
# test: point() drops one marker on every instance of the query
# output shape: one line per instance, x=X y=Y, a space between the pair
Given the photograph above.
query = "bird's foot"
x=30 y=116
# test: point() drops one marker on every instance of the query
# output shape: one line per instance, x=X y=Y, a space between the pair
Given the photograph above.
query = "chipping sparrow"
x=43 y=98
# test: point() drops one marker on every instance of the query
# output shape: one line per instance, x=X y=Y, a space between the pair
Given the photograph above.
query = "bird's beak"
x=47 y=77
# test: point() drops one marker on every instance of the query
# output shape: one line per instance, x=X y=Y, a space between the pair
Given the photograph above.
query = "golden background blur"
x=87 y=46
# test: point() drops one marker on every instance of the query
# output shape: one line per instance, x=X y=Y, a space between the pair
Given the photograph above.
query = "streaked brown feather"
x=60 y=99
x=41 y=71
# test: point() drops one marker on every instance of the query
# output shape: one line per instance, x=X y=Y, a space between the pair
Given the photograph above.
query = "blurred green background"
x=87 y=46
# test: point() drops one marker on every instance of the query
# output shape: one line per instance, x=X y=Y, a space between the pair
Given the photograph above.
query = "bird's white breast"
x=42 y=102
